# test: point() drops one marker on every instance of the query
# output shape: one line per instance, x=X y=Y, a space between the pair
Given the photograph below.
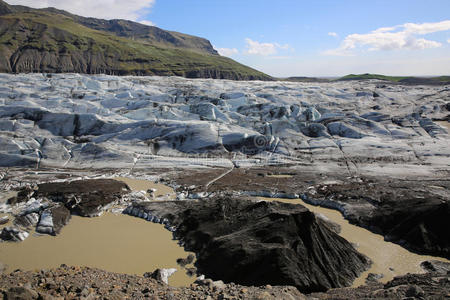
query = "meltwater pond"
x=161 y=190
x=116 y=243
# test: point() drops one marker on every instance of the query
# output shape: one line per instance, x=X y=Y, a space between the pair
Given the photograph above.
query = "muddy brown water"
x=388 y=258
x=444 y=124
x=116 y=243
x=144 y=185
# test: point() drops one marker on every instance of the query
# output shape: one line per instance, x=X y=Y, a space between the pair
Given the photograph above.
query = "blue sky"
x=305 y=26
x=301 y=38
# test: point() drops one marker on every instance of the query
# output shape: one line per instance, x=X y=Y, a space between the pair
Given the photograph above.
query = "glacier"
x=100 y=121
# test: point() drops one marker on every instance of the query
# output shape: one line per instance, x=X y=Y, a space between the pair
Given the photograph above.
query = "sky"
x=299 y=38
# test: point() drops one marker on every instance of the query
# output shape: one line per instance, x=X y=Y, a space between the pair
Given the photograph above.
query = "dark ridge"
x=407 y=80
x=259 y=243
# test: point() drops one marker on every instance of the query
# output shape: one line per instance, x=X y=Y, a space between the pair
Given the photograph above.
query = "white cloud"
x=105 y=9
x=257 y=48
x=254 y=47
x=426 y=28
x=283 y=47
x=448 y=41
x=392 y=38
x=385 y=29
x=148 y=23
x=334 y=34
x=227 y=51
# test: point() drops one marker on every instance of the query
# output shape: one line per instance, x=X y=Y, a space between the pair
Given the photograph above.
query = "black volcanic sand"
x=258 y=243
x=412 y=212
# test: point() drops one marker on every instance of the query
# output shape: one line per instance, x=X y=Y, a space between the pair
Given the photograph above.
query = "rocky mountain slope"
x=50 y=40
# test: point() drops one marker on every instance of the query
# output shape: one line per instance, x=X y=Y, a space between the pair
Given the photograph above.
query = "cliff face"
x=129 y=29
x=50 y=40
x=148 y=34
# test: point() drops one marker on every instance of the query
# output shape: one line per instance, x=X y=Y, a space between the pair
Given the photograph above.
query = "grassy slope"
x=304 y=79
x=57 y=33
x=372 y=76
x=399 y=79
x=136 y=31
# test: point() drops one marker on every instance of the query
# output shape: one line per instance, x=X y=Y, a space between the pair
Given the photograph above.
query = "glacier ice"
x=73 y=120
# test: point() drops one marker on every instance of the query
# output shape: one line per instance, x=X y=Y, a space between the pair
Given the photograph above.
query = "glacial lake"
x=116 y=243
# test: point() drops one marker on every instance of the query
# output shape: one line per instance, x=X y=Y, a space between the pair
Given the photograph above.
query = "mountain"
x=399 y=79
x=55 y=41
x=305 y=79
x=4 y=8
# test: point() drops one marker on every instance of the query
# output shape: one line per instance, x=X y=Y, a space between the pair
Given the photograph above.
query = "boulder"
x=53 y=219
x=28 y=220
x=4 y=220
x=186 y=261
x=414 y=291
x=45 y=224
x=13 y=234
x=162 y=275
x=35 y=206
x=436 y=266
x=372 y=277
x=21 y=293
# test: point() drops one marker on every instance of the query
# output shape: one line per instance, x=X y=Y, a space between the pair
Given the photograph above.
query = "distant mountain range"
x=399 y=79
x=51 y=40
x=438 y=80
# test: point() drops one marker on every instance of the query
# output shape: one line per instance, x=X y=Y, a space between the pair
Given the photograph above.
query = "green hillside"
x=372 y=76
x=49 y=40
x=399 y=79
